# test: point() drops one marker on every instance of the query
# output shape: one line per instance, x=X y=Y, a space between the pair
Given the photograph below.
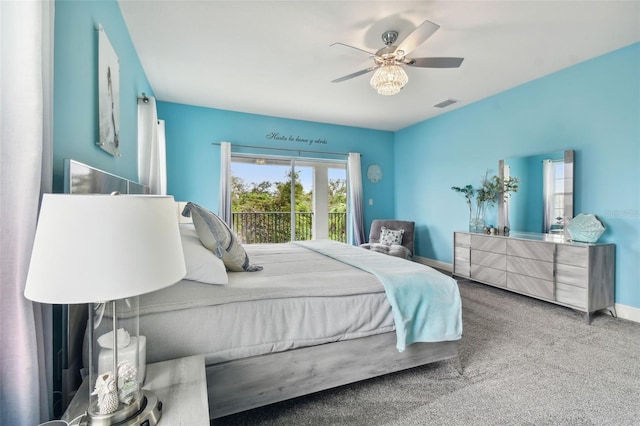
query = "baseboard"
x=628 y=312
x=443 y=266
x=623 y=311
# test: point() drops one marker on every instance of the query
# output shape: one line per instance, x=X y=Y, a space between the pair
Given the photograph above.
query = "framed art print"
x=108 y=95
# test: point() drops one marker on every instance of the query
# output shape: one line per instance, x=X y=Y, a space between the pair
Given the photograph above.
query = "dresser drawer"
x=489 y=275
x=461 y=240
x=529 y=285
x=574 y=275
x=487 y=258
x=531 y=250
x=462 y=269
x=530 y=267
x=487 y=243
x=571 y=295
x=572 y=255
x=462 y=254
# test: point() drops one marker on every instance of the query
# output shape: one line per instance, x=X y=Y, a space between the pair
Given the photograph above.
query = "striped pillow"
x=215 y=235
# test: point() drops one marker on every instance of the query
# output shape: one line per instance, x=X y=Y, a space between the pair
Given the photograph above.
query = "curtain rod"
x=284 y=149
x=143 y=97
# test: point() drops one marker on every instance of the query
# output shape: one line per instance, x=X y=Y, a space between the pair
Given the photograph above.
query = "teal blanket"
x=425 y=303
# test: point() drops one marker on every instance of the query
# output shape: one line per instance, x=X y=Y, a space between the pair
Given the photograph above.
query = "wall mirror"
x=544 y=201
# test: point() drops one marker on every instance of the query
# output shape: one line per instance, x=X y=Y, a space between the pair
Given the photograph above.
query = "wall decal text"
x=291 y=138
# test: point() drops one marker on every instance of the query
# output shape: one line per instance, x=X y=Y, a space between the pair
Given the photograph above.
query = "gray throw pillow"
x=215 y=235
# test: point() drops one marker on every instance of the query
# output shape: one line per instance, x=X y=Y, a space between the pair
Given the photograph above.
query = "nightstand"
x=180 y=385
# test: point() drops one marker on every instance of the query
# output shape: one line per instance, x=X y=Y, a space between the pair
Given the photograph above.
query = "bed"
x=317 y=315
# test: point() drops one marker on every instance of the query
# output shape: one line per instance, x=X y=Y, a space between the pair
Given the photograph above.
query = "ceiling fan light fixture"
x=389 y=79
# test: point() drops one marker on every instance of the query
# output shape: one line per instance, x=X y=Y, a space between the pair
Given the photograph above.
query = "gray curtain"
x=355 y=230
x=224 y=202
x=26 y=66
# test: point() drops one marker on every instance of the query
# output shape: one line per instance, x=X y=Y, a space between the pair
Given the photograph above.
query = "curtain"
x=224 y=202
x=356 y=230
x=162 y=158
x=26 y=87
x=152 y=164
x=548 y=179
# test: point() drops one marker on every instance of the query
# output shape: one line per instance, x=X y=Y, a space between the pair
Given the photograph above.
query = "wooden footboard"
x=248 y=383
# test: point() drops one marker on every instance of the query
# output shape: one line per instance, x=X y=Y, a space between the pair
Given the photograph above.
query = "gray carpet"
x=526 y=362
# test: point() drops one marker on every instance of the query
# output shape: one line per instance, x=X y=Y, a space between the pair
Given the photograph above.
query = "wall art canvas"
x=108 y=95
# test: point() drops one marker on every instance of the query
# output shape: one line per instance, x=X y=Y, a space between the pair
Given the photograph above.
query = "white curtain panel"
x=162 y=158
x=152 y=164
x=26 y=87
x=548 y=177
x=224 y=202
x=355 y=196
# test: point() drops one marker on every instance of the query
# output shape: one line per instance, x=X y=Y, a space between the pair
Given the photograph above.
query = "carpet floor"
x=526 y=362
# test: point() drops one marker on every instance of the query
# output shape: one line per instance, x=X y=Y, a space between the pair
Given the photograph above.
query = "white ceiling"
x=273 y=57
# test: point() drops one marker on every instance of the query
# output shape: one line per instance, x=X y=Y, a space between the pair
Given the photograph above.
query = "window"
x=280 y=199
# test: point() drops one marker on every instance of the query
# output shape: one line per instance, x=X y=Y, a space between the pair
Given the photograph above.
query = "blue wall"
x=193 y=163
x=592 y=108
x=75 y=113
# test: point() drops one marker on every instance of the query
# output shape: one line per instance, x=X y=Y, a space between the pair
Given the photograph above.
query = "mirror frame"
x=503 y=219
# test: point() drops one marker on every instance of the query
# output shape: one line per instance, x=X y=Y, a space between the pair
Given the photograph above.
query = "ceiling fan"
x=389 y=77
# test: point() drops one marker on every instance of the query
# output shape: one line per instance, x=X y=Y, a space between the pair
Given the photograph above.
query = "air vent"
x=446 y=103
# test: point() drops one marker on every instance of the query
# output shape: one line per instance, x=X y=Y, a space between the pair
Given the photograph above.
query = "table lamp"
x=105 y=250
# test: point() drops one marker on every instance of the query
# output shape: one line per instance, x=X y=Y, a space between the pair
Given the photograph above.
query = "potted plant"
x=485 y=196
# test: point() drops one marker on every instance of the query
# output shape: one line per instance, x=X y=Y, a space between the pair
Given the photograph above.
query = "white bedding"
x=300 y=298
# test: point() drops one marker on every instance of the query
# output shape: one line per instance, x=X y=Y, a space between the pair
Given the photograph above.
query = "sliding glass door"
x=281 y=199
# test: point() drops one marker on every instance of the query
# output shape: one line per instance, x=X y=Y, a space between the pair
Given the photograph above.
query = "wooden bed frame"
x=248 y=383
x=239 y=385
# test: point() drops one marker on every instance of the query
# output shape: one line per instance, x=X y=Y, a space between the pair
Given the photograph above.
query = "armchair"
x=403 y=250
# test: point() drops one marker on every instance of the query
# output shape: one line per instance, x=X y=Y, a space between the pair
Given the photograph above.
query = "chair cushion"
x=392 y=250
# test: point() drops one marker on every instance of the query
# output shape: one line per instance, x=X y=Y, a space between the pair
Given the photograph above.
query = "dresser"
x=577 y=275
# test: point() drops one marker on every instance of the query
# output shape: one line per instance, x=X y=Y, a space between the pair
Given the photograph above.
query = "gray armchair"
x=404 y=250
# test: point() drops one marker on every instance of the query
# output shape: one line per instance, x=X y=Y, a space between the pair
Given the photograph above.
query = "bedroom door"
x=281 y=199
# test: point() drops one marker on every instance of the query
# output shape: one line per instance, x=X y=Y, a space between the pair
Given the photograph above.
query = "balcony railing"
x=275 y=227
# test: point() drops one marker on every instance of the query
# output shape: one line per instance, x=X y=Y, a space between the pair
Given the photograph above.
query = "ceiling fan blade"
x=355 y=74
x=435 y=62
x=417 y=37
x=352 y=47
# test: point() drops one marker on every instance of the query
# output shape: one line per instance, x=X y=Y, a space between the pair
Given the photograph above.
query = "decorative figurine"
x=127 y=381
x=107 y=393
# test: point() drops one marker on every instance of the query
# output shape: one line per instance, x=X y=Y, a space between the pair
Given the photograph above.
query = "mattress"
x=300 y=298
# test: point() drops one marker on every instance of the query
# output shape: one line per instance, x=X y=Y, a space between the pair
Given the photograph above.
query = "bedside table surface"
x=180 y=385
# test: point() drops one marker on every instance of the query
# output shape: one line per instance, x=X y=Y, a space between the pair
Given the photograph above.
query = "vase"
x=585 y=228
x=476 y=224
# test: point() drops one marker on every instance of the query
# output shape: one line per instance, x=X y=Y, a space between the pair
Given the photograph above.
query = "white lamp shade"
x=96 y=248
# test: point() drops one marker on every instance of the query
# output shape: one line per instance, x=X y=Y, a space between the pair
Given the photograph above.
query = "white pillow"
x=202 y=265
x=391 y=236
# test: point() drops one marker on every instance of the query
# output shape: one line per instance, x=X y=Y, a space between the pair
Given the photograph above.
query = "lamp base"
x=148 y=415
